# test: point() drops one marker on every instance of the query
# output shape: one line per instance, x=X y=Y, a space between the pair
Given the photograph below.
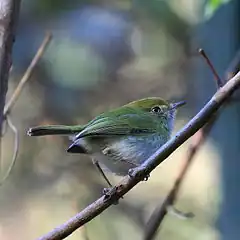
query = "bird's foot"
x=106 y=190
x=146 y=177
x=111 y=193
x=138 y=173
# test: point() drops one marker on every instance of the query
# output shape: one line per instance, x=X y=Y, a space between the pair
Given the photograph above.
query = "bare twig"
x=139 y=173
x=15 y=151
x=16 y=94
x=27 y=73
x=215 y=74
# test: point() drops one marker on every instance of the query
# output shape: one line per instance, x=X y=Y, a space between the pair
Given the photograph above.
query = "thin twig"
x=141 y=172
x=28 y=73
x=15 y=151
x=16 y=94
x=215 y=74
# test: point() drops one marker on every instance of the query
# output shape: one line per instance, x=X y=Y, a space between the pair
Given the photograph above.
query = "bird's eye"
x=156 y=109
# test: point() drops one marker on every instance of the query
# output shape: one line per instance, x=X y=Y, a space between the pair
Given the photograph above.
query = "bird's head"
x=158 y=107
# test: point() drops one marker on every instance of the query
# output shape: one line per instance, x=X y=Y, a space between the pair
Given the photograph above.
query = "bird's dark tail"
x=54 y=130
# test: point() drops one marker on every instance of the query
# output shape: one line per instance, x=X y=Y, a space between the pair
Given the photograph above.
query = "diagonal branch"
x=27 y=74
x=139 y=173
x=15 y=150
x=219 y=81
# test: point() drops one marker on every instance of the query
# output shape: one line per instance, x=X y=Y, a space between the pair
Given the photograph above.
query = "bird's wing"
x=123 y=123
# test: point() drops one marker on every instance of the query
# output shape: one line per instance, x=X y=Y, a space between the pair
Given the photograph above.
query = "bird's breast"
x=136 y=149
x=119 y=154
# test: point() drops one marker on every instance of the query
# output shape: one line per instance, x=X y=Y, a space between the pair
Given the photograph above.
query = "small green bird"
x=122 y=138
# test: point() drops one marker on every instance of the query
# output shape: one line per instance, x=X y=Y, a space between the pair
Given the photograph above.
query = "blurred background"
x=103 y=55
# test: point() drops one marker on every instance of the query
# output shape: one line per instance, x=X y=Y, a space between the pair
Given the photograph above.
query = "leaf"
x=212 y=6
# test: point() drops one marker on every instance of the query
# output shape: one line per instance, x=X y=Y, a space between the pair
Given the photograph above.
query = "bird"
x=122 y=138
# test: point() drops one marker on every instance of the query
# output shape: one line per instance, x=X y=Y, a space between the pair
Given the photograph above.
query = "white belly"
x=123 y=154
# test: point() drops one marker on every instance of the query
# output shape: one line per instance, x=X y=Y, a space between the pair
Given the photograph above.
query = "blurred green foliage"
x=212 y=6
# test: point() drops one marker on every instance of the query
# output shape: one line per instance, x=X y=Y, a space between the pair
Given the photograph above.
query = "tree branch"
x=139 y=173
x=27 y=74
x=219 y=81
x=9 y=11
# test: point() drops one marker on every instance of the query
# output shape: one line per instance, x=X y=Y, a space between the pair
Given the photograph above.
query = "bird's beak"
x=177 y=105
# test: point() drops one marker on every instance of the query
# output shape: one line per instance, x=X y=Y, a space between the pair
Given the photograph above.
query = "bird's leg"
x=95 y=162
x=106 y=191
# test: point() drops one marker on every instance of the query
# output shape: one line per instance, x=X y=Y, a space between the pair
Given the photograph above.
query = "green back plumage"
x=130 y=119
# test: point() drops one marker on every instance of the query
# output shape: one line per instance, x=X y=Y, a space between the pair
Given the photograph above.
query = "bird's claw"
x=131 y=172
x=134 y=172
x=106 y=190
x=146 y=177
x=111 y=193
